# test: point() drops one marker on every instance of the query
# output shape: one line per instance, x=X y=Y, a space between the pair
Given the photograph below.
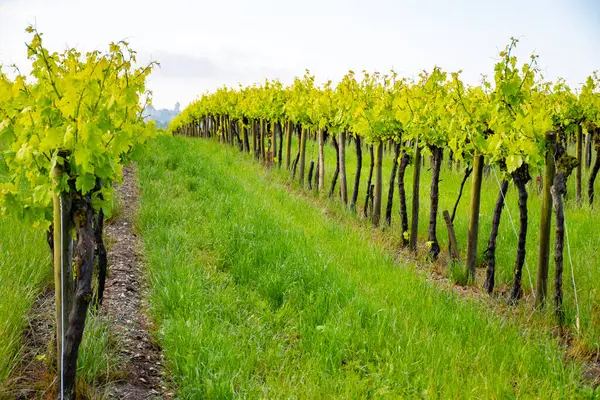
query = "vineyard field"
x=375 y=235
x=255 y=290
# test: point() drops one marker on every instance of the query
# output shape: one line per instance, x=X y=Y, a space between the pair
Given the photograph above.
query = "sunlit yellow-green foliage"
x=87 y=106
x=505 y=119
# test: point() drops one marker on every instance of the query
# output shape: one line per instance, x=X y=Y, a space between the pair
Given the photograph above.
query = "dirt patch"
x=124 y=302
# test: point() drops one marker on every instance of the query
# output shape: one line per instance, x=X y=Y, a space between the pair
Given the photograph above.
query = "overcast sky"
x=204 y=44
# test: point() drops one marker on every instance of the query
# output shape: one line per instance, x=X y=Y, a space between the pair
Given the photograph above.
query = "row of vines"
x=66 y=129
x=515 y=123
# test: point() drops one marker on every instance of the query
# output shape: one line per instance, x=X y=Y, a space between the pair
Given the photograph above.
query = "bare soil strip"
x=125 y=304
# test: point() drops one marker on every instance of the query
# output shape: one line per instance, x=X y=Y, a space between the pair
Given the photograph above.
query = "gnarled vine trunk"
x=342 y=157
x=404 y=161
x=84 y=267
x=390 y=199
x=321 y=164
x=564 y=166
x=357 y=176
x=311 y=170
x=245 y=134
x=491 y=248
x=371 y=166
x=337 y=166
x=588 y=150
x=414 y=223
x=436 y=165
x=378 y=184
x=102 y=257
x=520 y=177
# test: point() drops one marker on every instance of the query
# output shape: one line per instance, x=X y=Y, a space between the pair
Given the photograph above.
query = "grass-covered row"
x=582 y=268
x=24 y=269
x=259 y=293
x=581 y=264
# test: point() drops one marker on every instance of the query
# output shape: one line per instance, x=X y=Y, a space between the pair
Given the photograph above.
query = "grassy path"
x=258 y=294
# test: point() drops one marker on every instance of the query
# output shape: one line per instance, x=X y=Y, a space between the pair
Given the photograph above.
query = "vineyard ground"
x=281 y=302
x=258 y=292
x=581 y=220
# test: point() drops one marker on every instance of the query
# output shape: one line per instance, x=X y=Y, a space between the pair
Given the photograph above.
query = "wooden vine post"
x=288 y=144
x=263 y=140
x=321 y=174
x=254 y=139
x=414 y=225
x=579 y=155
x=545 y=222
x=279 y=144
x=219 y=130
x=302 y=154
x=342 y=156
x=274 y=141
x=378 y=184
x=473 y=232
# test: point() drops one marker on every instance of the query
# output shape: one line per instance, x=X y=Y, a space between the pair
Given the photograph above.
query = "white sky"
x=204 y=44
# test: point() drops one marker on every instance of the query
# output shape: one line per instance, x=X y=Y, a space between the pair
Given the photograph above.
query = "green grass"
x=24 y=268
x=259 y=293
x=98 y=365
x=582 y=223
